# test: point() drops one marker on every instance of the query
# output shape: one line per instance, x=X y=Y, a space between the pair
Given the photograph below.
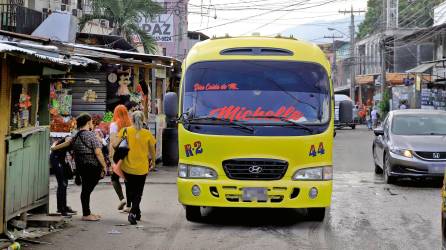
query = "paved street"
x=365 y=214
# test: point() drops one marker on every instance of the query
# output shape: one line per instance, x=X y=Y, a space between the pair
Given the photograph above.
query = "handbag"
x=68 y=171
x=122 y=150
x=77 y=178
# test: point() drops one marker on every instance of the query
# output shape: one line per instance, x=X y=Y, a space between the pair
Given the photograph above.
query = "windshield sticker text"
x=215 y=86
x=245 y=114
x=196 y=149
x=320 y=150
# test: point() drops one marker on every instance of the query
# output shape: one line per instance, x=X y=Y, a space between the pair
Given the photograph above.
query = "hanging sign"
x=160 y=27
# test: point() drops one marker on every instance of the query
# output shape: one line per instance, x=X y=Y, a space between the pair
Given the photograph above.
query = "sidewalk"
x=160 y=215
x=163 y=175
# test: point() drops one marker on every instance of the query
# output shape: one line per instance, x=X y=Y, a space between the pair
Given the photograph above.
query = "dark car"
x=411 y=143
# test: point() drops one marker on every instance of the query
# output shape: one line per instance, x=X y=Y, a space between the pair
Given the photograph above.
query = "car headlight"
x=313 y=174
x=403 y=152
x=196 y=172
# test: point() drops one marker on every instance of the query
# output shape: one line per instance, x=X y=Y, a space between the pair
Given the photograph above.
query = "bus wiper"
x=226 y=121
x=295 y=124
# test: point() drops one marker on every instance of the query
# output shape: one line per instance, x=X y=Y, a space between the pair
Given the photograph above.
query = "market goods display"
x=58 y=124
x=108 y=117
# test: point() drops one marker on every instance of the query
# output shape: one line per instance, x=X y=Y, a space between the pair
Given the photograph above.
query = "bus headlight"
x=314 y=174
x=196 y=172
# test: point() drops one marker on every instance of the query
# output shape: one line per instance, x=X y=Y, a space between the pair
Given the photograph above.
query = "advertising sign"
x=160 y=27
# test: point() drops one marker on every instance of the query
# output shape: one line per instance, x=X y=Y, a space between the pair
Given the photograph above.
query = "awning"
x=365 y=79
x=422 y=68
x=49 y=55
x=342 y=88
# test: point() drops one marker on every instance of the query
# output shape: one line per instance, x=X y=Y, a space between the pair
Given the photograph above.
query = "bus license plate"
x=255 y=194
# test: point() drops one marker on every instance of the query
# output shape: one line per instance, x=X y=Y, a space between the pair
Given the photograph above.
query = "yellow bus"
x=255 y=126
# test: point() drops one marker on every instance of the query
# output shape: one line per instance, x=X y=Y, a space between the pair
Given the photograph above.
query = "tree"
x=412 y=14
x=384 y=105
x=124 y=15
x=372 y=18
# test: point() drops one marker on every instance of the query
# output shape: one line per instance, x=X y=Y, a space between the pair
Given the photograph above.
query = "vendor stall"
x=138 y=81
x=24 y=130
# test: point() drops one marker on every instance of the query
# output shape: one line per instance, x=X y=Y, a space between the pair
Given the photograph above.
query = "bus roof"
x=237 y=48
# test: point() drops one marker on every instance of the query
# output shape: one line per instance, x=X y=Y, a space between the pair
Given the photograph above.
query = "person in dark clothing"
x=89 y=160
x=60 y=165
x=121 y=120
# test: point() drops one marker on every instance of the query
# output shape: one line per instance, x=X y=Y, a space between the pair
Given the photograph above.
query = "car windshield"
x=422 y=124
x=254 y=92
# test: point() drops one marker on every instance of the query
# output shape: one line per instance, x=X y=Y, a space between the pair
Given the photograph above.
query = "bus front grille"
x=255 y=169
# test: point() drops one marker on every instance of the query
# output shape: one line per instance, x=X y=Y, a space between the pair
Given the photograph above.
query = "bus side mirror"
x=171 y=105
x=345 y=112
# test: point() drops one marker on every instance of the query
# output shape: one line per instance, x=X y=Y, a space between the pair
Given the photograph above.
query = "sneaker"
x=132 y=219
x=138 y=217
x=122 y=204
x=66 y=215
x=126 y=210
x=69 y=210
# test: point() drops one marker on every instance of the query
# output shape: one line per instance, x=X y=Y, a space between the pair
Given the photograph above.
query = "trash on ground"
x=114 y=231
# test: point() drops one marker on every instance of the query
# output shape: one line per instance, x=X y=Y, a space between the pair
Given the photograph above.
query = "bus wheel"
x=193 y=213
x=316 y=214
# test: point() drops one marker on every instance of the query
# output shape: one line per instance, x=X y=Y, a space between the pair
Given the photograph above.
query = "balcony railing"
x=16 y=18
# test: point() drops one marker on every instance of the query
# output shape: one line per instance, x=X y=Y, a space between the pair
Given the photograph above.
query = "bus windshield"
x=255 y=92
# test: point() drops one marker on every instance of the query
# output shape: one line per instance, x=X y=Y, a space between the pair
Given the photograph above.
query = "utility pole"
x=352 y=13
x=390 y=20
x=391 y=13
x=333 y=65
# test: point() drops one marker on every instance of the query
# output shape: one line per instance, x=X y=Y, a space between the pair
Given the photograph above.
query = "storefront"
x=138 y=81
x=429 y=89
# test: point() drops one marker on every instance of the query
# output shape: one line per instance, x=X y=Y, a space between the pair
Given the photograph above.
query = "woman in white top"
x=121 y=120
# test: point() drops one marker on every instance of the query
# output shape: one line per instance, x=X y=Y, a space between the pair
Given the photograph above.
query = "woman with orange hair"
x=121 y=119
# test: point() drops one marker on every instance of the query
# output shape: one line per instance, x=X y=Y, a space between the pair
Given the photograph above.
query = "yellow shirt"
x=137 y=160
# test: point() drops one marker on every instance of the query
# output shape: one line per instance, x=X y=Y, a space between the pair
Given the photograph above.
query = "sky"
x=267 y=17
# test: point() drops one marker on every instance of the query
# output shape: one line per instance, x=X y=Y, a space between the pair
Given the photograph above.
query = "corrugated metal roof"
x=50 y=55
x=125 y=54
x=422 y=68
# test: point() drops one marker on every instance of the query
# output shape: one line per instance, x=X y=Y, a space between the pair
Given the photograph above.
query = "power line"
x=267 y=12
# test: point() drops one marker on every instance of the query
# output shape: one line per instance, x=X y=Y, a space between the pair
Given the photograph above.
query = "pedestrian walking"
x=121 y=120
x=90 y=162
x=369 y=118
x=136 y=164
x=374 y=116
x=63 y=173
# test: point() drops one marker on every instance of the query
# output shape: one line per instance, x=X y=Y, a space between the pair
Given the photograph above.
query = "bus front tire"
x=316 y=214
x=193 y=213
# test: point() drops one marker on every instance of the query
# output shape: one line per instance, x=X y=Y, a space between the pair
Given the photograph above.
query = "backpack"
x=79 y=160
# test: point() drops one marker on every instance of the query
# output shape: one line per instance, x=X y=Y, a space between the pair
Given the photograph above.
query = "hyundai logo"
x=255 y=169
x=436 y=155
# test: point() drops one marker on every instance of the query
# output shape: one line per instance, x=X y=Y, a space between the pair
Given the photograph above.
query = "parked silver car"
x=411 y=143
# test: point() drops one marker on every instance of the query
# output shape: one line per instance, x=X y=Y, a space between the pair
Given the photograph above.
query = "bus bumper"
x=229 y=193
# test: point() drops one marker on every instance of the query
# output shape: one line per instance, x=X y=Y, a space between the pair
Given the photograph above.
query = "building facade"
x=170 y=29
